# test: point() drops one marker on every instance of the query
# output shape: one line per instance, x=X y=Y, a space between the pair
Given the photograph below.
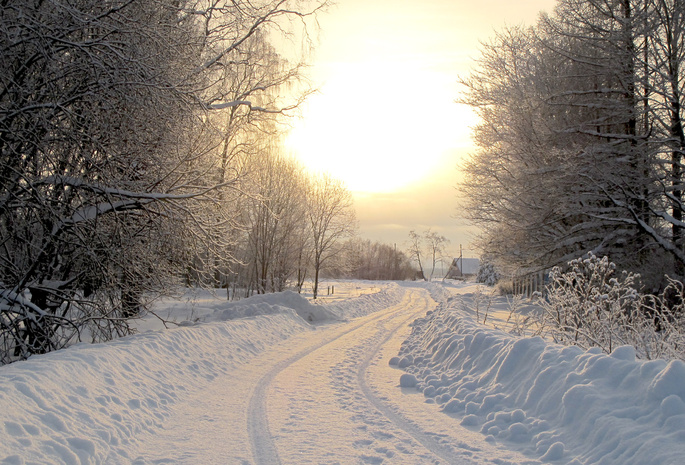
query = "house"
x=463 y=267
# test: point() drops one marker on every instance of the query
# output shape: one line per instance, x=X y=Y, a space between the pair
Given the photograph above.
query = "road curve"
x=322 y=396
x=263 y=448
x=317 y=405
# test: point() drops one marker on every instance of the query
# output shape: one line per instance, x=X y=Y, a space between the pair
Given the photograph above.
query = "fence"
x=527 y=284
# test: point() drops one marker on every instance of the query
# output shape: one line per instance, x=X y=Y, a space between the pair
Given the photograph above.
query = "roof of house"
x=464 y=266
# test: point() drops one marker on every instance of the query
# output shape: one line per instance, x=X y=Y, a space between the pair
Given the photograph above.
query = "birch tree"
x=273 y=216
x=436 y=244
x=415 y=250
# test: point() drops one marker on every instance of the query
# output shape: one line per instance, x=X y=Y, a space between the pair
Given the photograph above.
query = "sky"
x=385 y=119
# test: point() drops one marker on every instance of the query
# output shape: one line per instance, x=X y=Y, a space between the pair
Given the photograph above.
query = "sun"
x=379 y=126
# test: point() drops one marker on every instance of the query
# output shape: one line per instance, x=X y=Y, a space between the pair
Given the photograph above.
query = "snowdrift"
x=283 y=302
x=558 y=404
x=90 y=404
x=391 y=293
x=93 y=403
x=293 y=303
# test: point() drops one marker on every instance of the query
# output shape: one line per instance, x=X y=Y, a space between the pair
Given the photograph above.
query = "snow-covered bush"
x=27 y=329
x=661 y=333
x=589 y=306
x=487 y=274
x=505 y=287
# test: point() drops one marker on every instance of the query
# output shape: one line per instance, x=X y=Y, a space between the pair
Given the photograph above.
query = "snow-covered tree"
x=603 y=43
x=111 y=181
x=519 y=185
x=273 y=216
x=487 y=273
x=663 y=59
x=579 y=145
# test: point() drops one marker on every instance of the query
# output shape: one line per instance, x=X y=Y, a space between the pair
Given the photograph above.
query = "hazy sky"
x=385 y=121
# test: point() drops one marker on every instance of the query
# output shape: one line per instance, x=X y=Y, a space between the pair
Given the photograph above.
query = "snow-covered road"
x=307 y=400
x=274 y=379
x=322 y=407
x=323 y=396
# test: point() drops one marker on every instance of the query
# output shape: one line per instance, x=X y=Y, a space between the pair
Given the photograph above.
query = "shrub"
x=588 y=305
x=487 y=274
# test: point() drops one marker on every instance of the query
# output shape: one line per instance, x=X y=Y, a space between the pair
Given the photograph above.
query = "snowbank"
x=352 y=299
x=390 y=294
x=87 y=404
x=553 y=402
x=291 y=302
x=90 y=403
x=283 y=302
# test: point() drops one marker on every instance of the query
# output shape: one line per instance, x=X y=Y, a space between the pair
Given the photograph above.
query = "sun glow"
x=380 y=126
x=385 y=120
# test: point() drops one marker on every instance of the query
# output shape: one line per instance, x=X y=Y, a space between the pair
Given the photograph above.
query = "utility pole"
x=461 y=261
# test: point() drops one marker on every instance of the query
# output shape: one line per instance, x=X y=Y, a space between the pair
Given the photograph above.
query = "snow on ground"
x=98 y=403
x=89 y=404
x=559 y=404
x=197 y=305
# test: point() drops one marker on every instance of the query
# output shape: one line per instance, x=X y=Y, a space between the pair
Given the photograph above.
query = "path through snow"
x=274 y=379
x=323 y=396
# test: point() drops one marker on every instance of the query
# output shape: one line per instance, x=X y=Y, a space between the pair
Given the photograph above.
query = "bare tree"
x=415 y=250
x=331 y=219
x=256 y=75
x=366 y=259
x=436 y=248
x=272 y=217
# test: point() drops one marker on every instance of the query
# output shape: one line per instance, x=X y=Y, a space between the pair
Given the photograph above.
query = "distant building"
x=463 y=267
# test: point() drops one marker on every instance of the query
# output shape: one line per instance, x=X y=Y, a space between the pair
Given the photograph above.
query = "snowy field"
x=199 y=305
x=446 y=390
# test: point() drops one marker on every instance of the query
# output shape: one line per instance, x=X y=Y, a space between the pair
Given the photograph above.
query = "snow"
x=88 y=404
x=555 y=402
x=91 y=403
x=114 y=402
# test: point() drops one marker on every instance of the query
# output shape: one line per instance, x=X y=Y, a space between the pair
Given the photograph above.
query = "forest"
x=580 y=141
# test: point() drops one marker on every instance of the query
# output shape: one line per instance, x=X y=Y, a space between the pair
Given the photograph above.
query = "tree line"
x=580 y=145
x=141 y=150
x=372 y=260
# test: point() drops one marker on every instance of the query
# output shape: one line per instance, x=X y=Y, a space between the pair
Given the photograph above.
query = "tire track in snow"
x=443 y=451
x=263 y=448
